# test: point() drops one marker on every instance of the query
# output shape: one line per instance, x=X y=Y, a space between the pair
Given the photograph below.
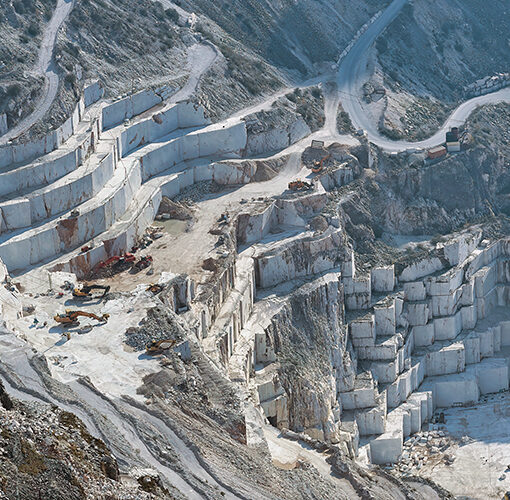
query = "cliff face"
x=309 y=339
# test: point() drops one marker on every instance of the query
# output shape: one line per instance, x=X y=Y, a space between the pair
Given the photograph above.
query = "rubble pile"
x=159 y=324
x=174 y=210
x=196 y=192
x=426 y=448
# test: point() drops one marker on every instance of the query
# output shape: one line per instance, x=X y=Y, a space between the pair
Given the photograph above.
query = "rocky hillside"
x=409 y=195
x=20 y=36
x=431 y=51
x=131 y=46
x=48 y=453
x=294 y=35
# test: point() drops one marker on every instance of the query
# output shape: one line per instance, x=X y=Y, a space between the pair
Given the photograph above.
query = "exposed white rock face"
x=383 y=279
x=274 y=130
x=308 y=335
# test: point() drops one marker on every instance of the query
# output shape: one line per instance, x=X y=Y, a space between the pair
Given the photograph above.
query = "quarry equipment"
x=116 y=259
x=158 y=346
x=319 y=165
x=85 y=290
x=71 y=317
x=154 y=288
x=144 y=262
x=299 y=185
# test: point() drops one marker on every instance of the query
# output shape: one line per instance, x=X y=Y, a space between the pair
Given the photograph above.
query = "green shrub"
x=13 y=90
x=33 y=29
x=172 y=14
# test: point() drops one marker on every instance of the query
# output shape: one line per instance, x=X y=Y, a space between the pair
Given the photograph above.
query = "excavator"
x=299 y=185
x=86 y=291
x=116 y=260
x=70 y=317
x=319 y=165
x=158 y=346
x=154 y=288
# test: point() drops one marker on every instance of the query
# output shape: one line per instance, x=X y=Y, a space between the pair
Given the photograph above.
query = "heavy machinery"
x=85 y=291
x=71 y=317
x=299 y=185
x=116 y=260
x=319 y=165
x=154 y=288
x=158 y=346
x=144 y=262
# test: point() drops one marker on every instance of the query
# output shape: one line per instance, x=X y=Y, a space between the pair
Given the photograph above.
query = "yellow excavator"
x=71 y=317
x=158 y=346
x=86 y=291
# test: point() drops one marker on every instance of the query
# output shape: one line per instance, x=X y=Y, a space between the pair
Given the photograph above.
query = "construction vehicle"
x=319 y=165
x=143 y=262
x=71 y=317
x=158 y=346
x=116 y=260
x=154 y=288
x=299 y=185
x=85 y=291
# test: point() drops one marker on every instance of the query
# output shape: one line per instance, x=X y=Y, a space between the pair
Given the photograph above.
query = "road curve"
x=350 y=78
x=46 y=67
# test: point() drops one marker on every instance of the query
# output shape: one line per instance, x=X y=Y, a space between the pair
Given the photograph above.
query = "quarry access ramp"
x=45 y=67
x=351 y=76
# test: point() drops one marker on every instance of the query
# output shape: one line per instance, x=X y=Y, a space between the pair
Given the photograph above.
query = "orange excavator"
x=158 y=346
x=319 y=165
x=299 y=185
x=71 y=317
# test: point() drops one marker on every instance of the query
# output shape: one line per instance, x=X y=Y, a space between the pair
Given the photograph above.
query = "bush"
x=381 y=45
x=18 y=7
x=316 y=92
x=172 y=14
x=70 y=78
x=33 y=29
x=13 y=90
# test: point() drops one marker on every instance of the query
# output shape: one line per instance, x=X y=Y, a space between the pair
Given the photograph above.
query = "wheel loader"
x=70 y=317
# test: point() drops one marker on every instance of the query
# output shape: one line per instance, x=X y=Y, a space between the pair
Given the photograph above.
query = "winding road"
x=45 y=66
x=351 y=76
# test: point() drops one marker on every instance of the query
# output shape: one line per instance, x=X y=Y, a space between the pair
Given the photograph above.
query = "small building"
x=317 y=144
x=436 y=152
x=453 y=147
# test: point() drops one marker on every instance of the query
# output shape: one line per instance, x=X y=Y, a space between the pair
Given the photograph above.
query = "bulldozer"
x=70 y=317
x=319 y=165
x=158 y=346
x=86 y=291
x=299 y=185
